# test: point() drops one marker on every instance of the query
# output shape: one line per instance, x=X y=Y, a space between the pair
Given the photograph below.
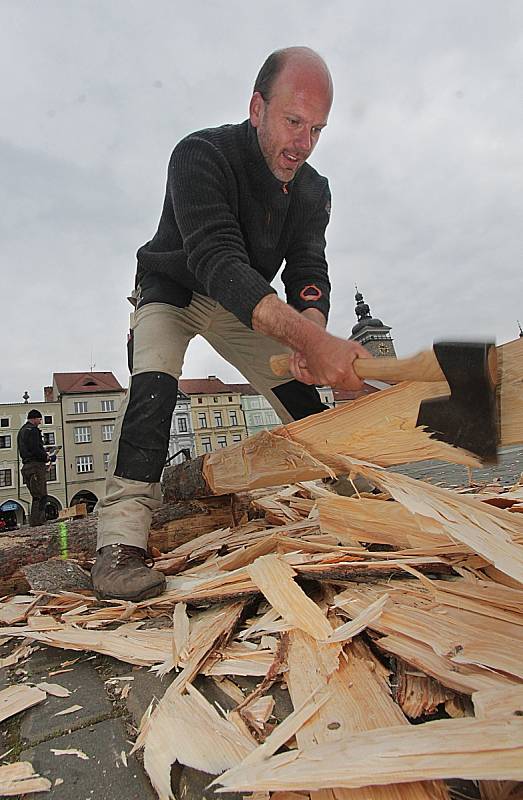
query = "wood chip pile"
x=374 y=612
x=392 y=622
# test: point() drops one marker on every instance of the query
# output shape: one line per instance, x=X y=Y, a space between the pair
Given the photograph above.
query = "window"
x=255 y=402
x=106 y=461
x=229 y=399
x=202 y=420
x=206 y=444
x=183 y=425
x=233 y=417
x=107 y=405
x=218 y=423
x=48 y=419
x=52 y=475
x=257 y=419
x=4 y=422
x=80 y=406
x=236 y=437
x=84 y=463
x=82 y=435
x=222 y=441
x=49 y=438
x=5 y=441
x=107 y=433
x=6 y=478
x=215 y=399
x=200 y=401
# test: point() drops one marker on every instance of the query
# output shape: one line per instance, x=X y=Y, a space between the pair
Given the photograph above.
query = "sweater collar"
x=257 y=166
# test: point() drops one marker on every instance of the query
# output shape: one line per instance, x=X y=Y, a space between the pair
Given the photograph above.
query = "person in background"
x=35 y=461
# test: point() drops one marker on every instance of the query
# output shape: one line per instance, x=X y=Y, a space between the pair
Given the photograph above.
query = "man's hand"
x=328 y=362
x=318 y=357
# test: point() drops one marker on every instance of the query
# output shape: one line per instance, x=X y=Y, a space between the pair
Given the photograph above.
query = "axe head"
x=469 y=417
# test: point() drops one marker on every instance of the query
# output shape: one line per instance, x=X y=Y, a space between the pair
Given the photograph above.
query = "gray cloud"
x=423 y=151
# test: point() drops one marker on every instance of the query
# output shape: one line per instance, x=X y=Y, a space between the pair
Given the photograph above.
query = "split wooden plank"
x=20 y=778
x=360 y=622
x=461 y=640
x=143 y=648
x=17 y=698
x=359 y=700
x=511 y=396
x=215 y=627
x=275 y=579
x=188 y=729
x=462 y=678
x=354 y=519
x=470 y=749
x=488 y=531
x=496 y=703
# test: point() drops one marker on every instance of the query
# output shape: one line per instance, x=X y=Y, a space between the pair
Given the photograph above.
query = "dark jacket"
x=30 y=444
x=228 y=224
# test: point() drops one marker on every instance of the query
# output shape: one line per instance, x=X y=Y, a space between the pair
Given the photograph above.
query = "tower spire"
x=370 y=332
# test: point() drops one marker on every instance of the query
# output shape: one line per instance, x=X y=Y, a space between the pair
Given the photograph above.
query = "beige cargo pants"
x=161 y=335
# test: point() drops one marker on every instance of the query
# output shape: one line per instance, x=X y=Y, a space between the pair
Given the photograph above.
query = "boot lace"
x=126 y=553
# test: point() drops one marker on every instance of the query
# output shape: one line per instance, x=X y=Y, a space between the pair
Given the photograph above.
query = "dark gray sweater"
x=228 y=224
x=30 y=444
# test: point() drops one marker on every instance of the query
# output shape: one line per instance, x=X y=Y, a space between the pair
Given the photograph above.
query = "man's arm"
x=318 y=357
x=199 y=183
x=305 y=276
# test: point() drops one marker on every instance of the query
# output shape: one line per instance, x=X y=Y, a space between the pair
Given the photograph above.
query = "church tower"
x=370 y=332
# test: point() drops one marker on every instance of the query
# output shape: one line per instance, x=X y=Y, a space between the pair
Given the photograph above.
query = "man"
x=35 y=460
x=240 y=200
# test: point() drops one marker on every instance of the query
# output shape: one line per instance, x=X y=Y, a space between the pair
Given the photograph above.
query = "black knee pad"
x=299 y=399
x=144 y=438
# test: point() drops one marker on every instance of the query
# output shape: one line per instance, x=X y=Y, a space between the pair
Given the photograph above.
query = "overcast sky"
x=424 y=153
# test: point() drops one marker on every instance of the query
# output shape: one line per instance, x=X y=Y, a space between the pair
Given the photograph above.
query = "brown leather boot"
x=123 y=572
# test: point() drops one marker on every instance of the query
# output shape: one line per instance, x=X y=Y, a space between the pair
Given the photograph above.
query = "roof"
x=211 y=385
x=341 y=395
x=78 y=382
x=243 y=388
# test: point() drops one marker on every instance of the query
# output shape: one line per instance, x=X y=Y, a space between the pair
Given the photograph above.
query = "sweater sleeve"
x=202 y=186
x=305 y=276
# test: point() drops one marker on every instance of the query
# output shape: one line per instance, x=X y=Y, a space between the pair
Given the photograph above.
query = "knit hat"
x=34 y=414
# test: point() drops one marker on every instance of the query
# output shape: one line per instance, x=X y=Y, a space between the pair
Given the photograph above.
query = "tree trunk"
x=172 y=524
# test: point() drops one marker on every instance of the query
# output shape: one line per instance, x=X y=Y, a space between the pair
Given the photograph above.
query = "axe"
x=469 y=417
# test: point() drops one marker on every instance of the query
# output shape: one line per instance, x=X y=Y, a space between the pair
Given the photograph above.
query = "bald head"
x=297 y=61
x=290 y=107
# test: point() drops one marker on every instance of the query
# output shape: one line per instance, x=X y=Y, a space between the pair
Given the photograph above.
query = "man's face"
x=289 y=123
x=36 y=421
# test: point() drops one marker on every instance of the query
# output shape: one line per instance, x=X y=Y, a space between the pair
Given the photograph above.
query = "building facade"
x=217 y=415
x=258 y=413
x=89 y=403
x=181 y=435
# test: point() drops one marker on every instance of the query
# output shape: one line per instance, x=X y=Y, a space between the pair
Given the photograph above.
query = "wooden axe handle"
x=422 y=367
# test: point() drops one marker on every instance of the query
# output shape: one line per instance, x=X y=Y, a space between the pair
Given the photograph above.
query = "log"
x=171 y=526
x=380 y=428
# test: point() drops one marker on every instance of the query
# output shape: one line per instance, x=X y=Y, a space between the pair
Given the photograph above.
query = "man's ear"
x=256 y=109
